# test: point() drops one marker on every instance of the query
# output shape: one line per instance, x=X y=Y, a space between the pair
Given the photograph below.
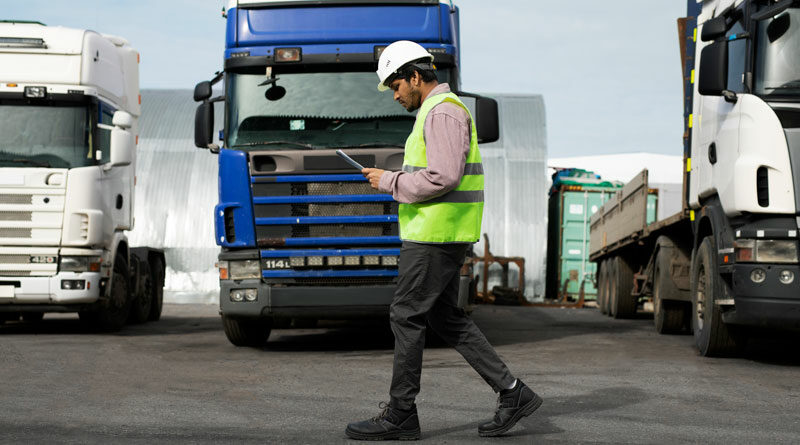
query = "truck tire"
x=623 y=304
x=247 y=331
x=140 y=306
x=668 y=316
x=112 y=314
x=602 y=287
x=611 y=297
x=607 y=287
x=157 y=289
x=712 y=337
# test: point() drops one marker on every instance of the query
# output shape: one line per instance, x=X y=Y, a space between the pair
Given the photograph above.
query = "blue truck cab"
x=302 y=234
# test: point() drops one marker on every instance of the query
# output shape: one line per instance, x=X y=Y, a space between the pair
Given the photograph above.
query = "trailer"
x=728 y=261
x=69 y=107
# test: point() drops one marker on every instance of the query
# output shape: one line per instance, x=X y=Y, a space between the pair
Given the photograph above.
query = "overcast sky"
x=609 y=71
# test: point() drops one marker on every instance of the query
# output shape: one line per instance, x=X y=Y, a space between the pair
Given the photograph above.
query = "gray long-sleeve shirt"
x=447 y=134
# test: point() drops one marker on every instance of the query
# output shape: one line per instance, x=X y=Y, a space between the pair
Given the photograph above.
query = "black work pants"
x=427 y=290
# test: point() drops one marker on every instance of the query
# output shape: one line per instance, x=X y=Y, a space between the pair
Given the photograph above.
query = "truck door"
x=117 y=181
x=717 y=122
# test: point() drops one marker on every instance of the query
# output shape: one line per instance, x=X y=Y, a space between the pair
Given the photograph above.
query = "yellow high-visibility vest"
x=455 y=216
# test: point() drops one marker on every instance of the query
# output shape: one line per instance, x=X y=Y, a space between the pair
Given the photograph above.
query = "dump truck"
x=69 y=106
x=728 y=261
x=302 y=234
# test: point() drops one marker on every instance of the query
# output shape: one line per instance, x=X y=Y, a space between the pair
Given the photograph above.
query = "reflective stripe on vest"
x=456 y=215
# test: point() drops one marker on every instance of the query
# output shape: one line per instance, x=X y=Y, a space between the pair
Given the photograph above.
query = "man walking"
x=440 y=191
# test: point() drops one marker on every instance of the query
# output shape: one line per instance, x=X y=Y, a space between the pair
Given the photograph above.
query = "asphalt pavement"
x=178 y=380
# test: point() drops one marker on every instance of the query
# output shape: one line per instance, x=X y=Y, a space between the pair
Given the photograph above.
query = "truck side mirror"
x=122 y=119
x=202 y=91
x=713 y=29
x=122 y=143
x=484 y=111
x=204 y=125
x=713 y=69
x=486 y=119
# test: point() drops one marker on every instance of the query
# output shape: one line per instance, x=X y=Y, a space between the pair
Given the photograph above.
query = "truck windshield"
x=318 y=110
x=45 y=136
x=777 y=61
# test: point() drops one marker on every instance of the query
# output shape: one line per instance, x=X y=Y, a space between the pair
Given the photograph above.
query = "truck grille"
x=14 y=232
x=15 y=273
x=16 y=199
x=16 y=216
x=326 y=219
x=14 y=259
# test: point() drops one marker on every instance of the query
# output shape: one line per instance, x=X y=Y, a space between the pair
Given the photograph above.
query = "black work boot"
x=512 y=405
x=390 y=424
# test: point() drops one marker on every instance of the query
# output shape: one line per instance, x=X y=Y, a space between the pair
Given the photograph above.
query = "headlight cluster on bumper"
x=239 y=270
x=239 y=295
x=79 y=264
x=767 y=251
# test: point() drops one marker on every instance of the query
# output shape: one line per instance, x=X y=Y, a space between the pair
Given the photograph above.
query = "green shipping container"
x=576 y=195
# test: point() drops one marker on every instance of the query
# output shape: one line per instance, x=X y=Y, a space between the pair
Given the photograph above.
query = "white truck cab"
x=69 y=109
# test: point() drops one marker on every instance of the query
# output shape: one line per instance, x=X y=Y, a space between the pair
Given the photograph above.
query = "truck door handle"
x=712 y=153
x=119 y=202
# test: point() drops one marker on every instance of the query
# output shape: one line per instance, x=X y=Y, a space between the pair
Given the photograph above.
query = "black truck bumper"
x=769 y=303
x=322 y=302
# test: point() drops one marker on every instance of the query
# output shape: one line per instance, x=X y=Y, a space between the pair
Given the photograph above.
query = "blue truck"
x=302 y=235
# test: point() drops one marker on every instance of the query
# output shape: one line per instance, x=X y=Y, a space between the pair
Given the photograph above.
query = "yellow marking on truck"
x=694 y=36
x=691 y=119
x=691 y=215
x=688 y=165
x=692 y=79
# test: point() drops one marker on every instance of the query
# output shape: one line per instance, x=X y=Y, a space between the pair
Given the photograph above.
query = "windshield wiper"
x=373 y=145
x=27 y=161
x=293 y=144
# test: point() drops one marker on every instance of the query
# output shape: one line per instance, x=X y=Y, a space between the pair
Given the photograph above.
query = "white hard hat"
x=395 y=56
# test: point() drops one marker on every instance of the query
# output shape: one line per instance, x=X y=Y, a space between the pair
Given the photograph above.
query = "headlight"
x=240 y=295
x=765 y=251
x=79 y=264
x=240 y=270
x=773 y=251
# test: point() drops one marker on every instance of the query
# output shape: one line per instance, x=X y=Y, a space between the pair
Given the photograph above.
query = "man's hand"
x=373 y=175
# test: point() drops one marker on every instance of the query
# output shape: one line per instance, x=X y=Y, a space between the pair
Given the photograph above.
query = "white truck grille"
x=15 y=199
x=31 y=217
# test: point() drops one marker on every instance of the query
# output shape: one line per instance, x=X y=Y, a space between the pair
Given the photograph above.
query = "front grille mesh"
x=16 y=199
x=15 y=259
x=15 y=232
x=14 y=273
x=16 y=216
x=344 y=209
x=335 y=188
x=322 y=230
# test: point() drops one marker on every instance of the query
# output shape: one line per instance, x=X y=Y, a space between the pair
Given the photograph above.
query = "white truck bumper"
x=50 y=290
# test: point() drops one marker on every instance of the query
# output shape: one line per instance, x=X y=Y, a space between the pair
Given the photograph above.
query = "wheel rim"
x=700 y=305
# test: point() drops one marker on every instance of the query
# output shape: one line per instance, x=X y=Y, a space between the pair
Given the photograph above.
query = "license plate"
x=6 y=291
x=276 y=263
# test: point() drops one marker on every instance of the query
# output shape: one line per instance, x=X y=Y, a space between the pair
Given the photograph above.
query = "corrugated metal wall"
x=177 y=190
x=515 y=212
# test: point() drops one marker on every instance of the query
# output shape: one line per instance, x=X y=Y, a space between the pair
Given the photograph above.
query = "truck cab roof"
x=36 y=54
